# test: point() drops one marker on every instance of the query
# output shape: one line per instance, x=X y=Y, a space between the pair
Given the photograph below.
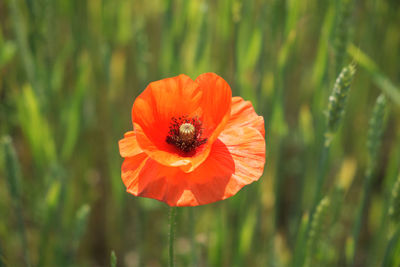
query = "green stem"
x=320 y=175
x=361 y=211
x=278 y=185
x=390 y=247
x=141 y=220
x=192 y=237
x=320 y=182
x=172 y=219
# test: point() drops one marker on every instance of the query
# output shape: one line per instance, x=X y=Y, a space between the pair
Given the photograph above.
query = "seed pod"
x=338 y=98
x=394 y=208
x=318 y=225
x=343 y=25
x=376 y=127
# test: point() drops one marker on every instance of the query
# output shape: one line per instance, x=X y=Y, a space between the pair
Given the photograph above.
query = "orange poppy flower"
x=192 y=143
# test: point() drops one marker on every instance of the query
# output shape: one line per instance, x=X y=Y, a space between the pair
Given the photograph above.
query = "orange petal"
x=209 y=98
x=237 y=158
x=145 y=177
x=164 y=157
x=130 y=171
x=215 y=103
x=243 y=115
x=247 y=148
x=162 y=100
x=128 y=147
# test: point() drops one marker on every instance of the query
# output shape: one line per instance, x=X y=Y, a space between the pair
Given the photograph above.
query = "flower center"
x=185 y=134
x=186 y=131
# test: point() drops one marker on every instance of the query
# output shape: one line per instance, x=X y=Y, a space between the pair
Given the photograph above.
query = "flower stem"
x=192 y=237
x=172 y=219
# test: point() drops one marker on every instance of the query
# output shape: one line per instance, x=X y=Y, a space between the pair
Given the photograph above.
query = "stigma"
x=185 y=134
x=186 y=131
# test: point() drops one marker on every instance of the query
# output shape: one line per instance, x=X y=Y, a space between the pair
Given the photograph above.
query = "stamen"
x=185 y=134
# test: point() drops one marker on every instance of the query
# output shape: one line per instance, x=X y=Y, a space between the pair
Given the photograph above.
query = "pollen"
x=185 y=134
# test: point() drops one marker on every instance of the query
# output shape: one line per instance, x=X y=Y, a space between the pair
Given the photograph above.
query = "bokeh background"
x=71 y=69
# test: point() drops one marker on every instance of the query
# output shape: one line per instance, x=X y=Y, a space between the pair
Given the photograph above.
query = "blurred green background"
x=71 y=69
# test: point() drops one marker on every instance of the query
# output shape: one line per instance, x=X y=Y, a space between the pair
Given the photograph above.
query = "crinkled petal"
x=215 y=103
x=244 y=115
x=162 y=100
x=129 y=147
x=237 y=158
x=130 y=171
x=247 y=147
x=208 y=98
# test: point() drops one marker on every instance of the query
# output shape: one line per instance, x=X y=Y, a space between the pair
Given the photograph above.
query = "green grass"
x=71 y=69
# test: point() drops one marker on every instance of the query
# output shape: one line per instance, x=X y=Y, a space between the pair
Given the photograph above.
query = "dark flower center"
x=185 y=133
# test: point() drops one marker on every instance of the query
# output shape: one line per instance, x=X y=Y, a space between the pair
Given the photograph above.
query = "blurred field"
x=71 y=69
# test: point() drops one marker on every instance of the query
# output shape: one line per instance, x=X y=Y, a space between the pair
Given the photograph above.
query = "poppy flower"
x=192 y=143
